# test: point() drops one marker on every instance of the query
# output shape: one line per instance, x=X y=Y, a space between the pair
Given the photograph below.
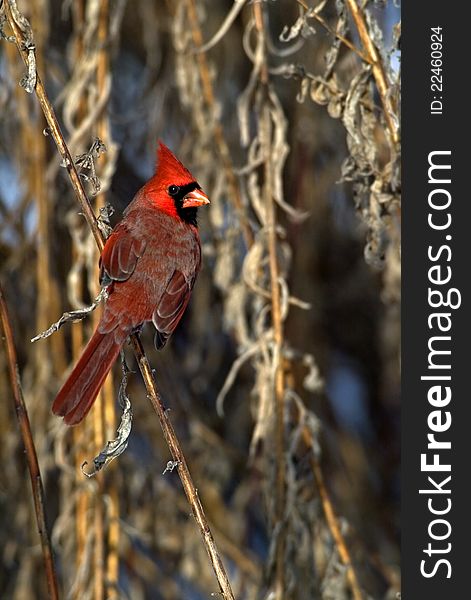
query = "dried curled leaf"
x=329 y=93
x=28 y=81
x=360 y=122
x=341 y=28
x=85 y=164
x=72 y=316
x=116 y=447
x=301 y=27
x=104 y=220
x=3 y=35
x=224 y=28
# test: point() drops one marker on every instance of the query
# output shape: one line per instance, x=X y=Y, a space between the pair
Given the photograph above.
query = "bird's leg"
x=137 y=329
x=73 y=316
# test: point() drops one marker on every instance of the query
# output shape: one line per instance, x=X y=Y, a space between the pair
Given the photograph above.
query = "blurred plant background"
x=283 y=378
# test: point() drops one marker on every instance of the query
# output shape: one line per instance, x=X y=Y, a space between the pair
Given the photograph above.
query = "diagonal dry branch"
x=369 y=55
x=30 y=450
x=378 y=69
x=144 y=366
x=331 y=517
x=315 y=15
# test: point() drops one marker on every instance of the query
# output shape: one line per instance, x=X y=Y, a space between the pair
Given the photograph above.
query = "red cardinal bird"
x=149 y=264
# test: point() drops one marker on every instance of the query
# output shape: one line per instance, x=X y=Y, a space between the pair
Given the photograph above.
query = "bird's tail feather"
x=78 y=393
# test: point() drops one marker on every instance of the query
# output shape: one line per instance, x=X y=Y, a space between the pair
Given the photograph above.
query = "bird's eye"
x=173 y=190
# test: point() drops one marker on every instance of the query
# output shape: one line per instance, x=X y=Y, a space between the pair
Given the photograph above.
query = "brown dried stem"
x=30 y=451
x=153 y=394
x=279 y=373
x=108 y=414
x=55 y=131
x=183 y=471
x=48 y=298
x=371 y=56
x=105 y=568
x=279 y=380
x=378 y=69
x=222 y=146
x=335 y=34
x=332 y=520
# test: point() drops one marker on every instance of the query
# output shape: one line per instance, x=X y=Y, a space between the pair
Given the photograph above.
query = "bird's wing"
x=120 y=254
x=171 y=307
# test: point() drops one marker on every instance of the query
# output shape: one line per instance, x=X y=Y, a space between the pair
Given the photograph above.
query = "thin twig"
x=378 y=69
x=224 y=28
x=72 y=316
x=183 y=471
x=278 y=350
x=141 y=358
x=109 y=413
x=372 y=57
x=331 y=518
x=30 y=450
x=247 y=561
x=279 y=383
x=55 y=131
x=222 y=146
x=336 y=34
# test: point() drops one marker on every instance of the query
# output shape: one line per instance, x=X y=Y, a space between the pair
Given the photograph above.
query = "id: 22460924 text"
x=436 y=70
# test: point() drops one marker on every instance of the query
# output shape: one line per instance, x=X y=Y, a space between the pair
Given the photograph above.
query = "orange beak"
x=195 y=198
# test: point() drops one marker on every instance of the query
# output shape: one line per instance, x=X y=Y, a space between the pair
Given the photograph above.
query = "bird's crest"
x=169 y=169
